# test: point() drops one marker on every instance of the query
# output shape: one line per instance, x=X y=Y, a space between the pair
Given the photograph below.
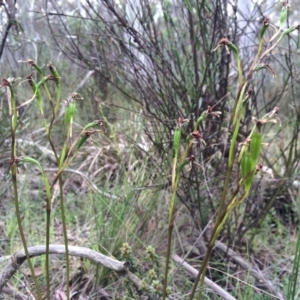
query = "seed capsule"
x=255 y=147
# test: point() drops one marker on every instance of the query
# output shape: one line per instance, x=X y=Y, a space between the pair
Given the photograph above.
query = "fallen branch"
x=13 y=293
x=246 y=266
x=16 y=260
x=216 y=288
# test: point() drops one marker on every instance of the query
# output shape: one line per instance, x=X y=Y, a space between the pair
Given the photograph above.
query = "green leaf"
x=264 y=66
x=31 y=161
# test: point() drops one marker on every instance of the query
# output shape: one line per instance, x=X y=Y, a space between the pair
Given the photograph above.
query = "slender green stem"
x=200 y=274
x=43 y=78
x=23 y=238
x=168 y=255
x=230 y=206
x=175 y=179
x=56 y=108
x=48 y=212
x=237 y=115
x=170 y=231
x=36 y=89
x=48 y=224
x=15 y=188
x=62 y=208
x=246 y=162
x=293 y=282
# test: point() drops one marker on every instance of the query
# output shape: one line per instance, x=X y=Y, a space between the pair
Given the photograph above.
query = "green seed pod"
x=14 y=119
x=63 y=155
x=283 y=16
x=72 y=108
x=70 y=112
x=200 y=119
x=54 y=73
x=68 y=118
x=255 y=146
x=176 y=142
x=36 y=90
x=247 y=170
x=246 y=165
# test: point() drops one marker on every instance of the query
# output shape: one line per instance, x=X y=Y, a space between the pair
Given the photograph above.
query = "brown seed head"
x=180 y=120
x=258 y=167
x=224 y=41
x=101 y=122
x=266 y=21
x=14 y=161
x=76 y=96
x=192 y=158
x=31 y=62
x=5 y=82
x=29 y=77
x=250 y=92
x=210 y=111
x=197 y=135
x=88 y=133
